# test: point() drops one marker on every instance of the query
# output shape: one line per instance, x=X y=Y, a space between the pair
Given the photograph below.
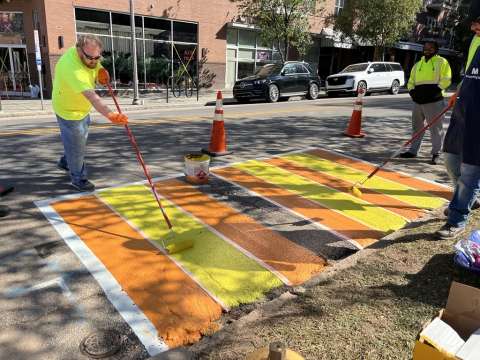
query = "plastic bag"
x=467 y=252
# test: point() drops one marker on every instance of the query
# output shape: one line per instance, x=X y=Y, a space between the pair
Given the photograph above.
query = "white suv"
x=371 y=77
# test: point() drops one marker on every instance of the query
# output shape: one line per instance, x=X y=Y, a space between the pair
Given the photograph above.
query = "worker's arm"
x=445 y=75
x=411 y=79
x=103 y=109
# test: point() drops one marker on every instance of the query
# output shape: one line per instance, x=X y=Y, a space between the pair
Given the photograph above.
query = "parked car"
x=275 y=81
x=371 y=77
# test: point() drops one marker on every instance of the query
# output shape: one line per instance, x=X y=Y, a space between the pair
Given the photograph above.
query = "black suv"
x=275 y=81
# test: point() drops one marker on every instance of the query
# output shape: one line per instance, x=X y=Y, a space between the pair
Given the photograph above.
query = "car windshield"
x=269 y=69
x=355 y=68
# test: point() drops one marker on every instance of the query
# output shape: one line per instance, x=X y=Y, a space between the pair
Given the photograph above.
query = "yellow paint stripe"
x=408 y=195
x=223 y=270
x=371 y=215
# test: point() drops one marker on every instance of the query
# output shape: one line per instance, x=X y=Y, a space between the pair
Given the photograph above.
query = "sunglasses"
x=89 y=57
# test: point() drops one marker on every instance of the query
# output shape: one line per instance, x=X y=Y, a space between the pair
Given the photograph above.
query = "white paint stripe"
x=136 y=319
x=157 y=246
x=313 y=222
x=341 y=153
x=233 y=243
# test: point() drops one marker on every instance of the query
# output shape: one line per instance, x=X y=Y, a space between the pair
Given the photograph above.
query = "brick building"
x=173 y=37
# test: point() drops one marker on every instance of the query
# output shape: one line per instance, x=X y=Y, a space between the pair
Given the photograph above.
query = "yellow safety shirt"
x=71 y=79
x=435 y=71
x=472 y=50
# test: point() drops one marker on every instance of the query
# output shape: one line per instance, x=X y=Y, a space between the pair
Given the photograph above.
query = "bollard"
x=275 y=351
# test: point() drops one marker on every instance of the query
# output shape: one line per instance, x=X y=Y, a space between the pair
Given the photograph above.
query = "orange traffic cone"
x=355 y=125
x=218 y=139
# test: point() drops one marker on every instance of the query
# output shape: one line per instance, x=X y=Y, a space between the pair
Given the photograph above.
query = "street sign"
x=38 y=61
x=38 y=55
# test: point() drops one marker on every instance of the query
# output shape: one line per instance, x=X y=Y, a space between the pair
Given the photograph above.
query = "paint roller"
x=355 y=189
x=170 y=244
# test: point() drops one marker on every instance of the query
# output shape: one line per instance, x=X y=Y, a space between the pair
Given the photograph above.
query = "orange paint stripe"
x=335 y=221
x=179 y=309
x=396 y=206
x=387 y=174
x=293 y=261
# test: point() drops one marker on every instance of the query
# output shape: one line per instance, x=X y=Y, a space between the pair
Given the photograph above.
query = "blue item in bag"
x=467 y=254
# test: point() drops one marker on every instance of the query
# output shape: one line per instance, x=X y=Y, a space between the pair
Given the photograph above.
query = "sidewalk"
x=32 y=107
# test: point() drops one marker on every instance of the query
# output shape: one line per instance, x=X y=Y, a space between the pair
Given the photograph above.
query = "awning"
x=406 y=45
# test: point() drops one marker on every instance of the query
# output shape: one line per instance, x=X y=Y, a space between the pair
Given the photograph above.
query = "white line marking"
x=136 y=319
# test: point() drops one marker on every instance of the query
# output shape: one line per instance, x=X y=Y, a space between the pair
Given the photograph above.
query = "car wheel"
x=312 y=93
x=362 y=85
x=395 y=87
x=273 y=93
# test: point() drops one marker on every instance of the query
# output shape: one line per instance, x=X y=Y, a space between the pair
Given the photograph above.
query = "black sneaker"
x=449 y=231
x=408 y=155
x=62 y=166
x=4 y=210
x=84 y=185
x=446 y=211
x=476 y=205
x=434 y=160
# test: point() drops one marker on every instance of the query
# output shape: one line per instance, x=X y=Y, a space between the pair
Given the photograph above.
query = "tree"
x=284 y=23
x=380 y=23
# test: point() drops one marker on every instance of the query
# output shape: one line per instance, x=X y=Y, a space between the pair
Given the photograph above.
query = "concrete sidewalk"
x=33 y=107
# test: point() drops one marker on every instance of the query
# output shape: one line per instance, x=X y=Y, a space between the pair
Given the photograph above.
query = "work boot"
x=408 y=155
x=448 y=232
x=434 y=160
x=4 y=210
x=83 y=185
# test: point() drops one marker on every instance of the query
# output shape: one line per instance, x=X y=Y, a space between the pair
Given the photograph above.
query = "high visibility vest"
x=435 y=71
x=472 y=50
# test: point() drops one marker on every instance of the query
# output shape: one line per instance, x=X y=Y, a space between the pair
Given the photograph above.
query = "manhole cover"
x=101 y=344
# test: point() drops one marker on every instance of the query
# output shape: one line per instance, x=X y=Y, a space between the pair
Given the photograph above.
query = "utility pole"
x=136 y=100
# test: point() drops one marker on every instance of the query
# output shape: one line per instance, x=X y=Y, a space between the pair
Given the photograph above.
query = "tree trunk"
x=378 y=53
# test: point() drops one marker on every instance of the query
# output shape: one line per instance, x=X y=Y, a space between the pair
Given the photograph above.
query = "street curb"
x=174 y=354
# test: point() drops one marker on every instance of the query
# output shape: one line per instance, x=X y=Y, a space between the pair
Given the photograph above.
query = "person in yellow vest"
x=429 y=78
x=73 y=96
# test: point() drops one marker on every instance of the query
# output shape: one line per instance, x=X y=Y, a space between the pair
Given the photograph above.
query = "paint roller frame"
x=103 y=78
x=355 y=189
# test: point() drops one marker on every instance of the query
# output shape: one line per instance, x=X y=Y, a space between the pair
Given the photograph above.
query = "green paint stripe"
x=417 y=198
x=219 y=267
x=371 y=215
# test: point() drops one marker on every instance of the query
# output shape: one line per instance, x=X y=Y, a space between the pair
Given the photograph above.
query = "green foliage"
x=377 y=22
x=284 y=23
x=460 y=21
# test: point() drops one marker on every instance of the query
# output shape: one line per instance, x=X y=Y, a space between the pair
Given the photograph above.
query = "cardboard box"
x=462 y=313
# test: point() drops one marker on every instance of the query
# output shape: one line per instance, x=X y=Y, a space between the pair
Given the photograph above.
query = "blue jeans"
x=453 y=163
x=468 y=185
x=74 y=134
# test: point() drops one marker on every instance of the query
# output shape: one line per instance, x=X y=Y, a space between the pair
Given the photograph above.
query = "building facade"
x=173 y=38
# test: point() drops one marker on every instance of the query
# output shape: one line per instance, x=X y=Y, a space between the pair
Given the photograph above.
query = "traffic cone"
x=355 y=126
x=218 y=139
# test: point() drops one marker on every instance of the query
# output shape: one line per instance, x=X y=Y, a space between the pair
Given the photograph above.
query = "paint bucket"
x=197 y=168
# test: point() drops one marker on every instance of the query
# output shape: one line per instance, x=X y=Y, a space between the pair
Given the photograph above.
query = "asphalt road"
x=49 y=302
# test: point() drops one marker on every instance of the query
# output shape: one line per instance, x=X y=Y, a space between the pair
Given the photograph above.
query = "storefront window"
x=121 y=25
x=157 y=63
x=246 y=38
x=154 y=46
x=232 y=37
x=157 y=29
x=184 y=32
x=11 y=28
x=93 y=22
x=248 y=55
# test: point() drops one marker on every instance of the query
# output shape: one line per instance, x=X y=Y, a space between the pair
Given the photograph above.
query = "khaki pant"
x=423 y=114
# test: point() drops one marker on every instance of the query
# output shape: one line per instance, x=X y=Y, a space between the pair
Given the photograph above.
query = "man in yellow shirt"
x=429 y=78
x=73 y=96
